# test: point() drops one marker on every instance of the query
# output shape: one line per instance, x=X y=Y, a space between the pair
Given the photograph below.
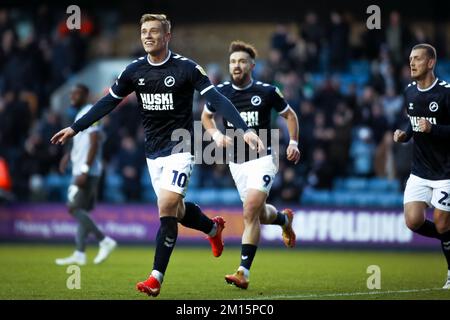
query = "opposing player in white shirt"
x=85 y=157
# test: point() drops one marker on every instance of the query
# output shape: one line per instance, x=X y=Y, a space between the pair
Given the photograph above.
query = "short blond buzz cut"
x=429 y=49
x=238 y=45
x=157 y=17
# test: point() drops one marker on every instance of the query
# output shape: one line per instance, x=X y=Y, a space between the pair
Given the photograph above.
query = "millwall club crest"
x=256 y=101
x=169 y=81
x=433 y=106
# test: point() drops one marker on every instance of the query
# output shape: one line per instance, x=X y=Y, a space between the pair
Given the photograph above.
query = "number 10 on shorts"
x=179 y=179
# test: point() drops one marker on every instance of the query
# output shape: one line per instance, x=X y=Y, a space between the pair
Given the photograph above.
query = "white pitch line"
x=342 y=294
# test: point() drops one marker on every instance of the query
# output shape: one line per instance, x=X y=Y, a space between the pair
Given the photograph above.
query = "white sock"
x=105 y=241
x=158 y=276
x=448 y=274
x=213 y=231
x=79 y=254
x=245 y=271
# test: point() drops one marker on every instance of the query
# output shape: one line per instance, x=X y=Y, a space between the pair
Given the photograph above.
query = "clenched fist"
x=399 y=136
x=424 y=125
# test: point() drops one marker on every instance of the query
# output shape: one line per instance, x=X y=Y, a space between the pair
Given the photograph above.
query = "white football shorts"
x=436 y=193
x=171 y=172
x=254 y=174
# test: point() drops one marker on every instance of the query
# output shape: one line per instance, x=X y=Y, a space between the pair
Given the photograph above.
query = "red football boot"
x=217 y=241
x=288 y=231
x=238 y=279
x=151 y=286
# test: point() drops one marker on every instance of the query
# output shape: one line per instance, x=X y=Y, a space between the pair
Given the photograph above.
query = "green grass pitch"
x=29 y=272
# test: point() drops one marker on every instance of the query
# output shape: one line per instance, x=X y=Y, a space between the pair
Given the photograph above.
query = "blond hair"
x=429 y=49
x=157 y=17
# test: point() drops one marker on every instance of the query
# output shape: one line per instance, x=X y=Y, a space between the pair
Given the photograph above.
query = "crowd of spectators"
x=346 y=126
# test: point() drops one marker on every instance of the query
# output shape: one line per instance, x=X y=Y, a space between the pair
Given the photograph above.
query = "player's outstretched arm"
x=62 y=136
x=104 y=106
x=226 y=108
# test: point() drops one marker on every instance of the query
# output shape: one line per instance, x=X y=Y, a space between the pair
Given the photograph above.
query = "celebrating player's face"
x=241 y=66
x=153 y=37
x=419 y=63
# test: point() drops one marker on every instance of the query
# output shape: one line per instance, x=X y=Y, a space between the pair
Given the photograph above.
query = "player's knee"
x=413 y=223
x=181 y=211
x=442 y=226
x=252 y=206
x=250 y=217
x=414 y=218
x=168 y=207
x=251 y=210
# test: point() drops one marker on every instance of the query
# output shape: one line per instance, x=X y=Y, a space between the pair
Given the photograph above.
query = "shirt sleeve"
x=409 y=132
x=96 y=126
x=225 y=108
x=123 y=85
x=200 y=79
x=439 y=130
x=101 y=108
x=209 y=108
x=278 y=102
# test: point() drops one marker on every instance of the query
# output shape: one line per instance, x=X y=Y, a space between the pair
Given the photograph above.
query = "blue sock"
x=194 y=218
x=248 y=252
x=165 y=242
x=280 y=219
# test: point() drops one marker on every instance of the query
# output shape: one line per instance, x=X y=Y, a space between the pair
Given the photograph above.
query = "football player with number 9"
x=254 y=176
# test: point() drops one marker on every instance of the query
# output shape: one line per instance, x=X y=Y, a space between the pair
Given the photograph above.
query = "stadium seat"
x=230 y=197
x=317 y=79
x=353 y=197
x=342 y=198
x=316 y=197
x=355 y=184
x=443 y=69
x=381 y=184
x=359 y=67
x=390 y=199
x=56 y=186
x=113 y=187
